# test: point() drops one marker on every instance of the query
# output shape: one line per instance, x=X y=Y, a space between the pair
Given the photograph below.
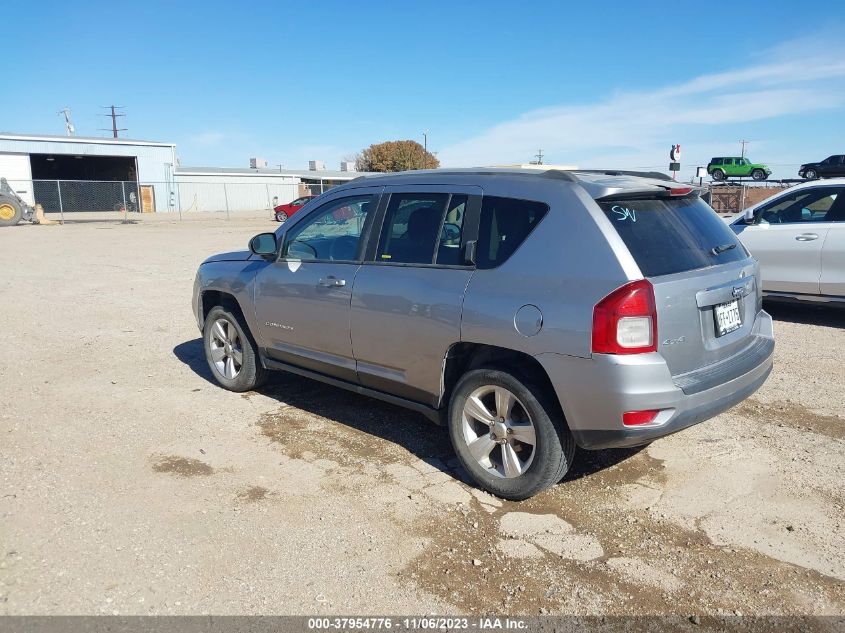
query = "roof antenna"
x=68 y=125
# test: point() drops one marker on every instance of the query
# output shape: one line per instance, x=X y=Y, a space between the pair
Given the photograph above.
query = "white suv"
x=798 y=236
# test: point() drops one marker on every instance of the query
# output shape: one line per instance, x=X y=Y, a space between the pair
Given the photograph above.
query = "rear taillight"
x=625 y=321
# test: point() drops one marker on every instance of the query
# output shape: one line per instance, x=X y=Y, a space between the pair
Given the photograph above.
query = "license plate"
x=728 y=318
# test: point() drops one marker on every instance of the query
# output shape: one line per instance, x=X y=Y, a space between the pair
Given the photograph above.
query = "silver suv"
x=529 y=311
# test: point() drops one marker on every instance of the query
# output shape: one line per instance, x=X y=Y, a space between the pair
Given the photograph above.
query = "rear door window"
x=672 y=235
x=412 y=226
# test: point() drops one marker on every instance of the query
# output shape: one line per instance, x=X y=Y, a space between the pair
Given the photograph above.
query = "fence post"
x=61 y=206
x=125 y=211
x=226 y=195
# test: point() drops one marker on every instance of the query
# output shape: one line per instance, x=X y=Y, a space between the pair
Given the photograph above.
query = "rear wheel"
x=230 y=351
x=758 y=174
x=811 y=174
x=10 y=211
x=718 y=174
x=503 y=433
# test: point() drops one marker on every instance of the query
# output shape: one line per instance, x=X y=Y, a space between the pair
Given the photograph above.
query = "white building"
x=34 y=163
x=75 y=173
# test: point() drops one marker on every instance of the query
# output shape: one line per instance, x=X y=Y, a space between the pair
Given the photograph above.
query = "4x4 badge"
x=738 y=292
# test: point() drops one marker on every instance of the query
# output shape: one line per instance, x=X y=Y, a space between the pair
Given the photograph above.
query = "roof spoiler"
x=656 y=175
x=677 y=191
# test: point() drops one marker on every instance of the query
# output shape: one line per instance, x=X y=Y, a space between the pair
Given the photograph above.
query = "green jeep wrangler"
x=734 y=167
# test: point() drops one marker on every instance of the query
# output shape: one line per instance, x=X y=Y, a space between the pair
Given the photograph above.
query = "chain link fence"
x=177 y=196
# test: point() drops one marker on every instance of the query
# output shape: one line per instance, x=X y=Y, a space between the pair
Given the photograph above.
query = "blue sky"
x=592 y=84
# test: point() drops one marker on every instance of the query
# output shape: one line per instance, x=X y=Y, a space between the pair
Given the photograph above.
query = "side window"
x=807 y=205
x=449 y=246
x=411 y=228
x=332 y=232
x=504 y=225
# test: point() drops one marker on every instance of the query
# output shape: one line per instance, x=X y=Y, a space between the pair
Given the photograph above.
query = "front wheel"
x=10 y=211
x=281 y=217
x=504 y=435
x=811 y=174
x=231 y=353
x=758 y=174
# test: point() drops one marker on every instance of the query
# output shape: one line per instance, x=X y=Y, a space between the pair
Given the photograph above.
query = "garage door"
x=15 y=168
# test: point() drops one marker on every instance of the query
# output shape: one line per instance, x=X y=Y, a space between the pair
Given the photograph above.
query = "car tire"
x=281 y=217
x=11 y=211
x=533 y=415
x=718 y=175
x=231 y=352
x=758 y=174
x=811 y=174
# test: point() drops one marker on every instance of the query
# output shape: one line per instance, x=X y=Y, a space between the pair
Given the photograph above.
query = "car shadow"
x=806 y=313
x=408 y=429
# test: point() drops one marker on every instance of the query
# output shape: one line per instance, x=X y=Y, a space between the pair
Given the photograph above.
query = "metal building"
x=249 y=189
x=76 y=173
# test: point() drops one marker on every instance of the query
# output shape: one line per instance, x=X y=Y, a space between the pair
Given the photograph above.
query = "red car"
x=284 y=211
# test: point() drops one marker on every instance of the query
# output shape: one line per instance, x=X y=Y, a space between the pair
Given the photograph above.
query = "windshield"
x=673 y=235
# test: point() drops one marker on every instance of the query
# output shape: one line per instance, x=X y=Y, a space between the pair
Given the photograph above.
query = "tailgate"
x=694 y=308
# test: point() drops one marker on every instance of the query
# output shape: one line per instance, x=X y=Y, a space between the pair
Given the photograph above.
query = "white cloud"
x=635 y=129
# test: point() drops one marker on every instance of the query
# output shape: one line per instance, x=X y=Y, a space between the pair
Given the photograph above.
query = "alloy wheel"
x=498 y=431
x=226 y=348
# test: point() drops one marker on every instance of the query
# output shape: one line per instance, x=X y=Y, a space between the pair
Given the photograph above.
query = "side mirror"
x=264 y=244
x=749 y=216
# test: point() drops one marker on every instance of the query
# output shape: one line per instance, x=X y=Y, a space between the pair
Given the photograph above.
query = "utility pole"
x=539 y=156
x=114 y=129
x=743 y=142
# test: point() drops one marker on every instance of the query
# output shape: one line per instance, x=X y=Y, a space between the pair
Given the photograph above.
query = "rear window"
x=504 y=225
x=673 y=235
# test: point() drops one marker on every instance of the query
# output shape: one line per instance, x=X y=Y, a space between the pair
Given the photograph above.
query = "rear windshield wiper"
x=718 y=250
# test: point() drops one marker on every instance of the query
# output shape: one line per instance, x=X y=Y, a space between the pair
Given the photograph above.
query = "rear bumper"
x=595 y=392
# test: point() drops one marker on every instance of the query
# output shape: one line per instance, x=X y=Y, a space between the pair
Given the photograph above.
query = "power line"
x=114 y=129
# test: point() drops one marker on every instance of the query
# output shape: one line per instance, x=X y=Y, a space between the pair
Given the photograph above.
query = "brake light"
x=625 y=321
x=636 y=418
x=680 y=191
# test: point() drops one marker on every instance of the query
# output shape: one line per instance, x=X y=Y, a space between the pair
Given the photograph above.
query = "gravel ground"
x=132 y=485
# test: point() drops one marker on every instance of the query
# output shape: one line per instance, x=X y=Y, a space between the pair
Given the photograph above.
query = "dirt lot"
x=132 y=485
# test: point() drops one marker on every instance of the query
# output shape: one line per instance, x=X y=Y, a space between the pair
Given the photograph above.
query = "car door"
x=408 y=295
x=839 y=166
x=302 y=300
x=832 y=281
x=787 y=236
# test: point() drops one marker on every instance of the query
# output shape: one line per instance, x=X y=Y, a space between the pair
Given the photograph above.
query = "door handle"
x=332 y=282
x=807 y=237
